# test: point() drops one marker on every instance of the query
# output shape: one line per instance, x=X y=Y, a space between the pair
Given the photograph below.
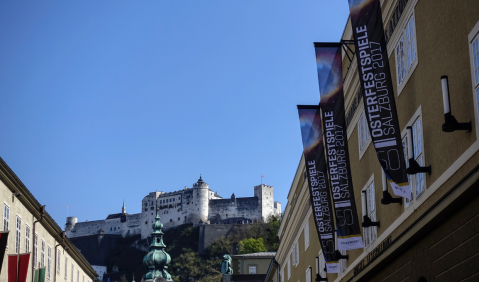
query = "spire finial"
x=123 y=209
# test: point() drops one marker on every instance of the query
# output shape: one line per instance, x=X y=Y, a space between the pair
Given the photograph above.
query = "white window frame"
x=308 y=274
x=49 y=262
x=306 y=235
x=6 y=217
x=413 y=179
x=289 y=268
x=409 y=66
x=249 y=269
x=18 y=234
x=66 y=267
x=35 y=251
x=322 y=262
x=342 y=263
x=27 y=238
x=295 y=253
x=42 y=254
x=473 y=36
x=59 y=265
x=370 y=233
x=363 y=132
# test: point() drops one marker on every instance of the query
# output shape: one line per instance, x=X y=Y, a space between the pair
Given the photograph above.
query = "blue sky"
x=109 y=100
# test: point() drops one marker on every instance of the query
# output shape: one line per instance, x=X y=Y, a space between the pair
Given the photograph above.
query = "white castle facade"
x=197 y=205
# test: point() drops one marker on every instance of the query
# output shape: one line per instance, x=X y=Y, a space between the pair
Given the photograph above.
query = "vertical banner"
x=330 y=76
x=3 y=246
x=18 y=267
x=316 y=169
x=377 y=88
x=39 y=275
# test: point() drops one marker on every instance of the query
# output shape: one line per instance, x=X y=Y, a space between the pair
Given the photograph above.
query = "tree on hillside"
x=251 y=245
x=271 y=237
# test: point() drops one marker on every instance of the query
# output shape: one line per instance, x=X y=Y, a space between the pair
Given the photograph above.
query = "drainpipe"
x=55 y=256
x=42 y=214
x=242 y=265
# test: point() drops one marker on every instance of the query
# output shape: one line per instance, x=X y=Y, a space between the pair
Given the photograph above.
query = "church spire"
x=123 y=209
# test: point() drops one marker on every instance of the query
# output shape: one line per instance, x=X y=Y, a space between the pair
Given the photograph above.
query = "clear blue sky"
x=104 y=100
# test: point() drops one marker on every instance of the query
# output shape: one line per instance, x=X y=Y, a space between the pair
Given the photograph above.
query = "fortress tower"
x=266 y=200
x=201 y=193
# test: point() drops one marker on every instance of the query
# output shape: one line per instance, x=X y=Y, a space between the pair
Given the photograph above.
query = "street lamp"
x=451 y=123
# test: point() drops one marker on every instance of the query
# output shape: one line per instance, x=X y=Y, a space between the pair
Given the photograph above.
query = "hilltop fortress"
x=197 y=205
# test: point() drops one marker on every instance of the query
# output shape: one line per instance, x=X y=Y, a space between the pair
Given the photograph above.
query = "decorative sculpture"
x=226 y=265
x=157 y=259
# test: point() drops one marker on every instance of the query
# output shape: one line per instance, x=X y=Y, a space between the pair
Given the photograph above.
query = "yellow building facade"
x=432 y=237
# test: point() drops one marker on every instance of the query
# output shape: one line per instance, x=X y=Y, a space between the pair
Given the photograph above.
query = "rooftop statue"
x=226 y=265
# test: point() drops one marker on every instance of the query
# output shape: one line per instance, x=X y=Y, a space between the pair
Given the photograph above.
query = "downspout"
x=42 y=212
x=55 y=261
x=242 y=264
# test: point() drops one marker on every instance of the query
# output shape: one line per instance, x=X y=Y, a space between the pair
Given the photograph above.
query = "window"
x=27 y=238
x=78 y=275
x=73 y=271
x=252 y=270
x=282 y=275
x=322 y=265
x=363 y=134
x=406 y=157
x=401 y=70
x=406 y=55
x=18 y=231
x=59 y=253
x=306 y=235
x=83 y=278
x=418 y=156
x=474 y=53
x=295 y=254
x=49 y=262
x=342 y=262
x=6 y=217
x=370 y=233
x=66 y=268
x=416 y=182
x=308 y=274
x=42 y=255
x=289 y=268
x=35 y=251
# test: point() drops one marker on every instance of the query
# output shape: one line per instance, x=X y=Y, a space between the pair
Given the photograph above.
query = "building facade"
x=432 y=237
x=197 y=205
x=32 y=230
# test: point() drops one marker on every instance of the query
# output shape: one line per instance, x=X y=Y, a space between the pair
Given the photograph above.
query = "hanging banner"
x=330 y=76
x=377 y=88
x=3 y=246
x=316 y=169
x=18 y=267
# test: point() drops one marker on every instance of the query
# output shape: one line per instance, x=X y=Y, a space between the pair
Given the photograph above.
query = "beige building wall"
x=27 y=209
x=443 y=31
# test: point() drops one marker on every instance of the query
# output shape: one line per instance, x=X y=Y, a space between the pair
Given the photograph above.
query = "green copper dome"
x=157 y=259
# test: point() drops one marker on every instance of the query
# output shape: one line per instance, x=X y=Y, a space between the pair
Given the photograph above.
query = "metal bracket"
x=346 y=48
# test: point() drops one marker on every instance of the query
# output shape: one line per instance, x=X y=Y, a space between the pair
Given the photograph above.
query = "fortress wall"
x=227 y=208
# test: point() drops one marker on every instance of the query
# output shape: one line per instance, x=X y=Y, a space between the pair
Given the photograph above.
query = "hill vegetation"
x=182 y=245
